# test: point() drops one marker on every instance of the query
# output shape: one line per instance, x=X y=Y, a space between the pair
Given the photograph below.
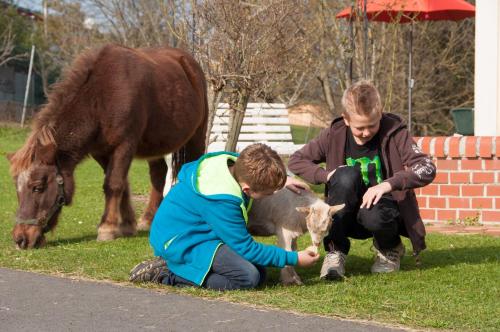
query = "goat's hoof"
x=292 y=282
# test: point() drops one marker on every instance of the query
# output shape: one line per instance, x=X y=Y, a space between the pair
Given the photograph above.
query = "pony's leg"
x=128 y=225
x=115 y=191
x=157 y=173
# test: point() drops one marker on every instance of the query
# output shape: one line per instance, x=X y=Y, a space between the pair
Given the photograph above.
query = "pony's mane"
x=22 y=159
x=62 y=93
x=67 y=88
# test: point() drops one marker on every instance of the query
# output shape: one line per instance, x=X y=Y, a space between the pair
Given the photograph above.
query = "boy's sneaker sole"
x=149 y=271
x=332 y=275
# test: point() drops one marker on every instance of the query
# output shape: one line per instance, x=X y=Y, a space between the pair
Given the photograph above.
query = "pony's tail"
x=178 y=159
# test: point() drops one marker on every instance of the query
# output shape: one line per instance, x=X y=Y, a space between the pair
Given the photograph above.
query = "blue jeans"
x=229 y=271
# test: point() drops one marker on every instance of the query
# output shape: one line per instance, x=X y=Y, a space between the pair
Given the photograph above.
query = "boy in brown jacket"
x=372 y=165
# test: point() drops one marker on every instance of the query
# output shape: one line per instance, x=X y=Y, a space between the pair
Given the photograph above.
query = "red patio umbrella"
x=408 y=11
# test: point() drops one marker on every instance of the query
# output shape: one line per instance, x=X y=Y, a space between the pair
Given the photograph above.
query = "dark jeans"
x=381 y=221
x=229 y=271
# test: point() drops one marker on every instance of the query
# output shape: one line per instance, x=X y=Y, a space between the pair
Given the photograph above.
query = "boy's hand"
x=373 y=194
x=307 y=258
x=296 y=185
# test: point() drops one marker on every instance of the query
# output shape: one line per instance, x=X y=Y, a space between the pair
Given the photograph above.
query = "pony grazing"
x=114 y=103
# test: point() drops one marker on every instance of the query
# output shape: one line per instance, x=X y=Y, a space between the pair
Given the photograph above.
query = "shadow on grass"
x=454 y=256
x=86 y=238
x=431 y=259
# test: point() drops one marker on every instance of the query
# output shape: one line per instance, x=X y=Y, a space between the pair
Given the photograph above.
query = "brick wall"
x=467 y=183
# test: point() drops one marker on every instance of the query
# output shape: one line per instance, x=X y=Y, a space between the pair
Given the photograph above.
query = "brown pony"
x=114 y=103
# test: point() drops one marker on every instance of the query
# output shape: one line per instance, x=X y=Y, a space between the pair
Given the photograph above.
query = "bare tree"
x=288 y=50
x=7 y=46
x=254 y=45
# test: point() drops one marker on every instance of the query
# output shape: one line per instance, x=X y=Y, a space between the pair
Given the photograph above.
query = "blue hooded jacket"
x=204 y=210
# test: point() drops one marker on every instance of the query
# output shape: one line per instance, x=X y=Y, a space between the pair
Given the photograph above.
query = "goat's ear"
x=334 y=209
x=303 y=209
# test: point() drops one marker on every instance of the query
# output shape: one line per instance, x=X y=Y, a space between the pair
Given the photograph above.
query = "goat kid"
x=289 y=215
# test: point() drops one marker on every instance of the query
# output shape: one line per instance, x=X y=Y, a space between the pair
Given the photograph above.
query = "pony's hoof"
x=143 y=225
x=128 y=231
x=107 y=234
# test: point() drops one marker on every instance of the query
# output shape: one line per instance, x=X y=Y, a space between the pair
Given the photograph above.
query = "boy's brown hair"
x=261 y=168
x=362 y=98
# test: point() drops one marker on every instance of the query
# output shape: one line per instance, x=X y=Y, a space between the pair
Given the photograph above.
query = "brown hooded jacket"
x=406 y=167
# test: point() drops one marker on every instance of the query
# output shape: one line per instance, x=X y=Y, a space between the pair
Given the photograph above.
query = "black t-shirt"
x=366 y=157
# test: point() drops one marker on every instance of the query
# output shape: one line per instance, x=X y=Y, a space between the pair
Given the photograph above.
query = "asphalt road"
x=36 y=302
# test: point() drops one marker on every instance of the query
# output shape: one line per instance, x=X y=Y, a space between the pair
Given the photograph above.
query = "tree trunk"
x=213 y=95
x=237 y=105
x=327 y=90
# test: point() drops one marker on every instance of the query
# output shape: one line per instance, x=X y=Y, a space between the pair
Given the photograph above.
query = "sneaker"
x=152 y=270
x=333 y=265
x=387 y=260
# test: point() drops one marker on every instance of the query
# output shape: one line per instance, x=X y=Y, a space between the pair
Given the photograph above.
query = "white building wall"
x=487 y=69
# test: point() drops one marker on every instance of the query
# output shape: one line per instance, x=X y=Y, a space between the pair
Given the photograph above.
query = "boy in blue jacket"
x=199 y=231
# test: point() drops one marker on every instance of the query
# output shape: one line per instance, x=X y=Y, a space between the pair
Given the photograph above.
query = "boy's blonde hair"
x=362 y=98
x=261 y=168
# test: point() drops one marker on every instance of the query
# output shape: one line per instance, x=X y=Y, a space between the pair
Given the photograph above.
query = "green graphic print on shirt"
x=364 y=162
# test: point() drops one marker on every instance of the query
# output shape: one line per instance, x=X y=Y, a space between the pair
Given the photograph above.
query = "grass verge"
x=456 y=288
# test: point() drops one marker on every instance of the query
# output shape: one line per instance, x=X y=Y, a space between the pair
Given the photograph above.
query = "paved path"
x=36 y=302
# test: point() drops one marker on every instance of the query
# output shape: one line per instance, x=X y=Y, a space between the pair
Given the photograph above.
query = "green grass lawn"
x=456 y=288
x=302 y=134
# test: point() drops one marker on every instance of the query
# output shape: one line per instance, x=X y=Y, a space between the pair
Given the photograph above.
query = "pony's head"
x=42 y=188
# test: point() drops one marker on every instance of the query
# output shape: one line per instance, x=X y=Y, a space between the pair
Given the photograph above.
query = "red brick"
x=483 y=177
x=470 y=146
x=462 y=214
x=472 y=164
x=426 y=145
x=454 y=147
x=481 y=203
x=459 y=177
x=492 y=164
x=437 y=202
x=431 y=189
x=428 y=214
x=493 y=190
x=472 y=190
x=445 y=164
x=449 y=190
x=486 y=147
x=422 y=202
x=439 y=147
x=445 y=215
x=458 y=203
x=497 y=203
x=491 y=215
x=441 y=177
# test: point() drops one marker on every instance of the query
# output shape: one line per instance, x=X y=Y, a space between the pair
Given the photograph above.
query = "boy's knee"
x=252 y=278
x=345 y=178
x=384 y=215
